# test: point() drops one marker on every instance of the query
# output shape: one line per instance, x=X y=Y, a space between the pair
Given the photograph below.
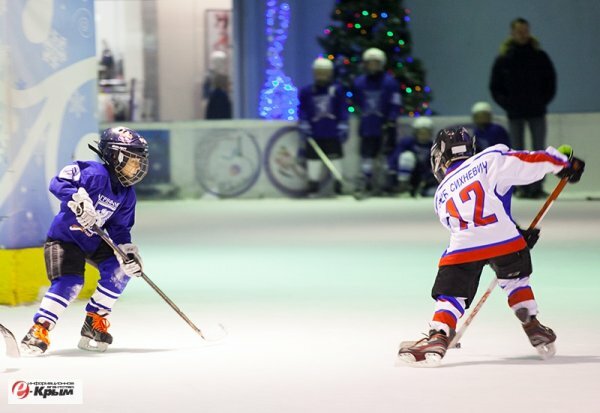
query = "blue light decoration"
x=279 y=96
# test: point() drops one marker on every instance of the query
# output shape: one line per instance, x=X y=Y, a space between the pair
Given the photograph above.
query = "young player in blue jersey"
x=91 y=193
x=377 y=96
x=486 y=131
x=323 y=116
x=409 y=170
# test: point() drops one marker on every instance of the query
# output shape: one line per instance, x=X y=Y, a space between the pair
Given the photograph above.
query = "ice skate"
x=36 y=341
x=94 y=333
x=540 y=337
x=427 y=352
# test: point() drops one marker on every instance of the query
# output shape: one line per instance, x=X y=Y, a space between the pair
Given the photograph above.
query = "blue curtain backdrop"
x=47 y=104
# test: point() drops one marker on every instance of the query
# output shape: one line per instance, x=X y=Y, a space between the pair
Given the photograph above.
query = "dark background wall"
x=457 y=40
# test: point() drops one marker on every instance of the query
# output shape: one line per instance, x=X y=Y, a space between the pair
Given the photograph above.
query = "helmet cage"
x=120 y=156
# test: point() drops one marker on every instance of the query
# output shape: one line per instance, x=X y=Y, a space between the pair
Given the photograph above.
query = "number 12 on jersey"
x=475 y=190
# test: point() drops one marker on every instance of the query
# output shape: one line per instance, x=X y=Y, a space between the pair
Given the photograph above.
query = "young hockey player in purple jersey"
x=323 y=116
x=409 y=170
x=473 y=202
x=91 y=193
x=377 y=95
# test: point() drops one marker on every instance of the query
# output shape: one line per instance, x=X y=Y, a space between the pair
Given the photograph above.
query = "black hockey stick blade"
x=12 y=348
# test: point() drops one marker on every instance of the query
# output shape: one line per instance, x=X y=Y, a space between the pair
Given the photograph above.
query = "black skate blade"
x=87 y=344
x=12 y=347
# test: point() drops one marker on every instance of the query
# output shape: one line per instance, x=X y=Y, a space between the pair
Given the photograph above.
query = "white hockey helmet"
x=422 y=122
x=374 y=53
x=481 y=107
x=321 y=63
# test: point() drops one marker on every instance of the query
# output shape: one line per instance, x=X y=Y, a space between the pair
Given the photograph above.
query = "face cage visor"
x=126 y=170
x=438 y=169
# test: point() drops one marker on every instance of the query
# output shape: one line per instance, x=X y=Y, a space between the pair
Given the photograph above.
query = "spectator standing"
x=523 y=83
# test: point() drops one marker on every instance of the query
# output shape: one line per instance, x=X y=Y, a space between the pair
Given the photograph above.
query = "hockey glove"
x=573 y=171
x=83 y=208
x=134 y=265
x=531 y=236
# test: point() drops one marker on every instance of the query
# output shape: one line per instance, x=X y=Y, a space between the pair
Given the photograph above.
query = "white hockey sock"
x=102 y=301
x=313 y=167
x=448 y=310
x=520 y=294
x=62 y=292
x=366 y=166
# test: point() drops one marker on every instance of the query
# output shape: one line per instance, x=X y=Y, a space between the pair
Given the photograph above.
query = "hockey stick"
x=334 y=171
x=106 y=238
x=455 y=342
x=12 y=348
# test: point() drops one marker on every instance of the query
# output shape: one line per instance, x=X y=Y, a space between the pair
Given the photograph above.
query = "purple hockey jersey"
x=114 y=203
x=378 y=98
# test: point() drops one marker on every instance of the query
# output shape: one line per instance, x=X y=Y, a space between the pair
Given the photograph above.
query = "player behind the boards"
x=323 y=116
x=91 y=193
x=473 y=202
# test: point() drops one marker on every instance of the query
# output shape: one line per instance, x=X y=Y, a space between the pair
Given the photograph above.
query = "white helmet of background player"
x=423 y=129
x=374 y=60
x=482 y=114
x=322 y=71
x=450 y=145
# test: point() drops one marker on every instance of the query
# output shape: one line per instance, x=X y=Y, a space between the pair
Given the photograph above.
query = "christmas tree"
x=361 y=24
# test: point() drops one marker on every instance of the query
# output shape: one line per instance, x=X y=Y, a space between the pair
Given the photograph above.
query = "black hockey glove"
x=573 y=171
x=531 y=236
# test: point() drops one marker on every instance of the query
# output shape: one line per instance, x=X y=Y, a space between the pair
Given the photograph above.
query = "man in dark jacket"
x=523 y=83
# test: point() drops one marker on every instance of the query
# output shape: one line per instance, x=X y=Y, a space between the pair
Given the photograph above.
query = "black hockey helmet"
x=125 y=152
x=451 y=144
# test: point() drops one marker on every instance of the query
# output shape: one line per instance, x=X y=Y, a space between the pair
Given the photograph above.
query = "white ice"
x=316 y=296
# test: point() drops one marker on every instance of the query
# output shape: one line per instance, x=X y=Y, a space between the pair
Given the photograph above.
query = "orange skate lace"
x=41 y=333
x=99 y=323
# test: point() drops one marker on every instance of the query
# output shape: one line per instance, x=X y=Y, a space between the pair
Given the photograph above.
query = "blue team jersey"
x=490 y=135
x=422 y=153
x=114 y=203
x=378 y=98
x=324 y=109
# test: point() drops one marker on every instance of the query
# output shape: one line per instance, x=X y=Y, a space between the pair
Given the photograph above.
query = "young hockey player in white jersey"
x=473 y=202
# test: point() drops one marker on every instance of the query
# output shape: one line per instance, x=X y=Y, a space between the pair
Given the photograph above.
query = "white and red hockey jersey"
x=473 y=200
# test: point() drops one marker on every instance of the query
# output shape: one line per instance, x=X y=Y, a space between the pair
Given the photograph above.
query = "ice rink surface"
x=316 y=296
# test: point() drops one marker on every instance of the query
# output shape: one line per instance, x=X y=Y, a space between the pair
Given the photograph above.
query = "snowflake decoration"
x=77 y=104
x=55 y=50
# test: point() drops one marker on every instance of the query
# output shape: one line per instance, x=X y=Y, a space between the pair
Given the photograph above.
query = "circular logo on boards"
x=227 y=162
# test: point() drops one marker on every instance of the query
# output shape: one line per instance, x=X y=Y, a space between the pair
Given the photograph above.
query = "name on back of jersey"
x=456 y=182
